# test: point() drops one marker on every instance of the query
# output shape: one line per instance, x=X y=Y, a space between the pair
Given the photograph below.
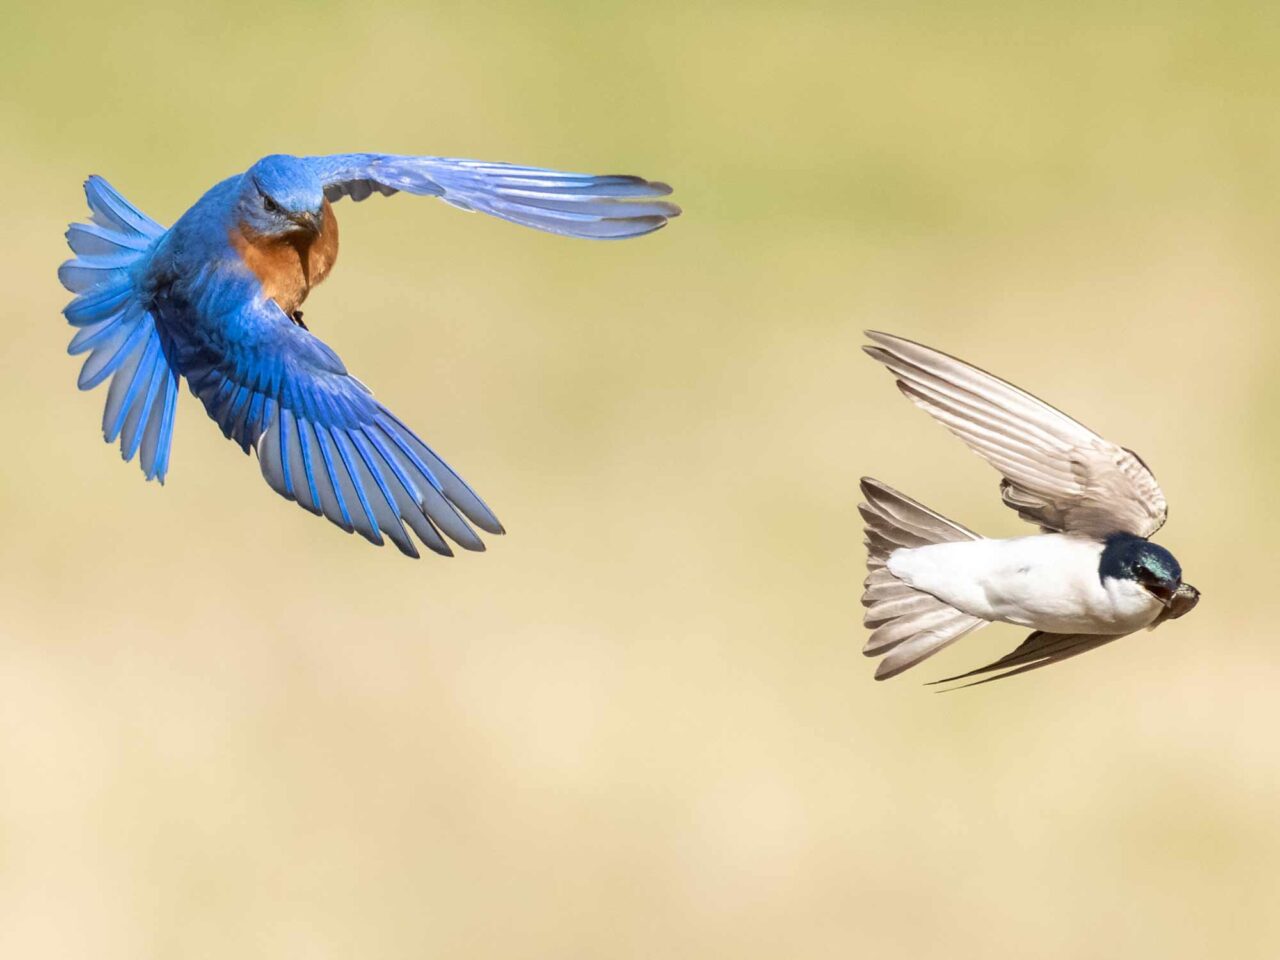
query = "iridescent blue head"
x=1126 y=557
x=280 y=195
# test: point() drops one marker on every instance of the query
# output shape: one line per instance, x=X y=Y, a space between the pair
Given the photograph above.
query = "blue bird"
x=215 y=300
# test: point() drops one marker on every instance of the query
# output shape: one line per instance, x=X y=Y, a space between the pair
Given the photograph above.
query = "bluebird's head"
x=279 y=195
x=1126 y=557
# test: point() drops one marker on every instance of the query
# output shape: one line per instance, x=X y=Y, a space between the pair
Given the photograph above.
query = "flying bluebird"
x=216 y=297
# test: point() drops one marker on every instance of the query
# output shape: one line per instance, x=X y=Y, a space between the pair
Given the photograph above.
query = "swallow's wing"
x=573 y=204
x=323 y=440
x=1039 y=650
x=1057 y=472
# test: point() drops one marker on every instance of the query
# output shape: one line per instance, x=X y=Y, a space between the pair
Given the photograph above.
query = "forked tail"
x=907 y=625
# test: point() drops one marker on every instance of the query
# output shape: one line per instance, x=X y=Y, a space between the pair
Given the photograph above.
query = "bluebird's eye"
x=270 y=205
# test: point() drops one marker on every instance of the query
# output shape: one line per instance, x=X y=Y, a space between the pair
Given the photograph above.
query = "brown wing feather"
x=1039 y=649
x=1057 y=472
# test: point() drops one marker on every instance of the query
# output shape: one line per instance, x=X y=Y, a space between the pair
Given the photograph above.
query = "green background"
x=640 y=726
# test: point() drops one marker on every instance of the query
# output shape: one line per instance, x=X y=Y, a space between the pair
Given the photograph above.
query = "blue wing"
x=117 y=330
x=323 y=440
x=571 y=204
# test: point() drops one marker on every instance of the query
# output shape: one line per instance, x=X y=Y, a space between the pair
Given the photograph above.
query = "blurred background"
x=640 y=725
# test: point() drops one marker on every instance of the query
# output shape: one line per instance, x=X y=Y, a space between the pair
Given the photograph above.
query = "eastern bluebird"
x=215 y=299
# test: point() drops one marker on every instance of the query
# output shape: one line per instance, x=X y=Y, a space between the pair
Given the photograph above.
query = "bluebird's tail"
x=907 y=624
x=115 y=328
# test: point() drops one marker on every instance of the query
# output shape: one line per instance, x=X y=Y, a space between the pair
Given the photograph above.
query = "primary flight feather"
x=215 y=300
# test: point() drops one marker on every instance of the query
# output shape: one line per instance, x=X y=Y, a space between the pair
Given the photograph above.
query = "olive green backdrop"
x=640 y=726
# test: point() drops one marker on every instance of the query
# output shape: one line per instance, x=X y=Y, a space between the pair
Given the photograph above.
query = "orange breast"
x=289 y=266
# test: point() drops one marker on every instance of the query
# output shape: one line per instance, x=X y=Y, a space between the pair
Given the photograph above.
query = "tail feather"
x=926 y=643
x=115 y=328
x=90 y=239
x=882 y=585
x=905 y=522
x=117 y=214
x=907 y=625
x=882 y=612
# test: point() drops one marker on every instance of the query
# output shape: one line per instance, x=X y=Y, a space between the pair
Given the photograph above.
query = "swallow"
x=1090 y=576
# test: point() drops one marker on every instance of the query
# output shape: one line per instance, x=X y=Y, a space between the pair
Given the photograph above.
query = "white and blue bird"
x=1090 y=576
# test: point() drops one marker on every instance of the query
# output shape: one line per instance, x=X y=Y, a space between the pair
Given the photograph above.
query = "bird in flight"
x=1090 y=576
x=216 y=299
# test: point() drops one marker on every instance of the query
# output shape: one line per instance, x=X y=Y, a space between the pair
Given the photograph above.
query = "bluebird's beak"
x=308 y=221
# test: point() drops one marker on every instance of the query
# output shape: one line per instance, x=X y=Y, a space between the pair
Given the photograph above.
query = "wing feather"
x=1057 y=472
x=1038 y=650
x=571 y=204
x=325 y=442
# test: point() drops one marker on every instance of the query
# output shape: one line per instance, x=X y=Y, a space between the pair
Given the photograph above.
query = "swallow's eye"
x=270 y=205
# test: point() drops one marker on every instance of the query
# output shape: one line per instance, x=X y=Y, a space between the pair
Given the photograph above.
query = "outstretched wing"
x=1057 y=472
x=1039 y=650
x=572 y=204
x=324 y=441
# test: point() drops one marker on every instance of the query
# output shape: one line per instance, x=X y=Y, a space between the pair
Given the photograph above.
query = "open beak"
x=1164 y=592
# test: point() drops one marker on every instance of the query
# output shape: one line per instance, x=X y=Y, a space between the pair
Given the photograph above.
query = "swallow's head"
x=279 y=195
x=1151 y=566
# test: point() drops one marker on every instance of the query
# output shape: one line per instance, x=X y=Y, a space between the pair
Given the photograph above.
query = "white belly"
x=1048 y=582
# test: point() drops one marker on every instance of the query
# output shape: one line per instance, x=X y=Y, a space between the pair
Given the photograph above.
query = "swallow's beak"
x=1185 y=599
x=1163 y=591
